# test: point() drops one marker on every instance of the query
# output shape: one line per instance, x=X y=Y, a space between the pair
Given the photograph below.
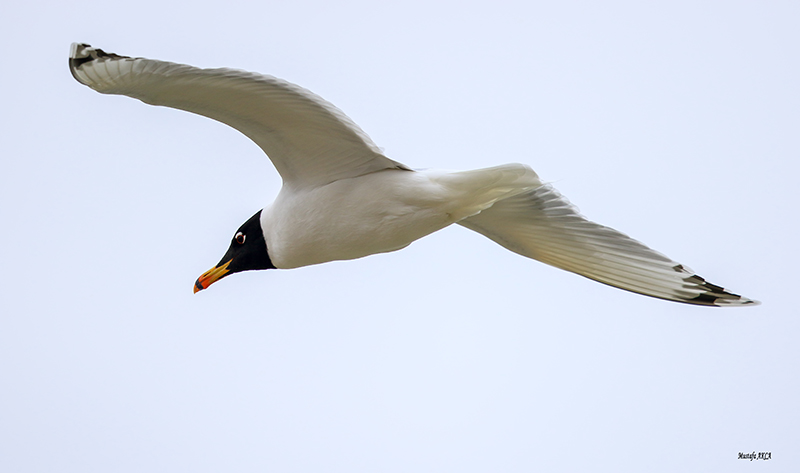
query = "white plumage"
x=343 y=199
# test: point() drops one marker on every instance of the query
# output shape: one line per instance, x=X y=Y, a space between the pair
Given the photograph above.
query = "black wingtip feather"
x=81 y=53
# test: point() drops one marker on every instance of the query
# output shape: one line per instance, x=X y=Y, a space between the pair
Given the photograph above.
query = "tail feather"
x=477 y=190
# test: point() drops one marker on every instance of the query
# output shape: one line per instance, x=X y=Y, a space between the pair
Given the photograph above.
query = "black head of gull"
x=248 y=251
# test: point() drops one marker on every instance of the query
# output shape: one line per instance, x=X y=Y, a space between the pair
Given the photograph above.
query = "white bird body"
x=343 y=199
x=380 y=212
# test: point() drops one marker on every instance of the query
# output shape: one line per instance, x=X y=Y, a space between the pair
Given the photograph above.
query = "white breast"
x=352 y=218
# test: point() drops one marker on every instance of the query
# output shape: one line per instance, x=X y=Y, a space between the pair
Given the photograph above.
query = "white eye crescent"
x=239 y=238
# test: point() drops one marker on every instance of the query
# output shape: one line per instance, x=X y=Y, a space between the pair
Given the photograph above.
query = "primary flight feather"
x=343 y=199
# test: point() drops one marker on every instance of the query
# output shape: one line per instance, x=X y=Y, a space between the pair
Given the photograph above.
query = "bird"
x=342 y=198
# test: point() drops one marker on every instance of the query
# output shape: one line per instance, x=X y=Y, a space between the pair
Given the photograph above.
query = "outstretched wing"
x=543 y=225
x=309 y=141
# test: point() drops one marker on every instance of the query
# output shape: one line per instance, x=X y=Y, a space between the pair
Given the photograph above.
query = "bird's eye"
x=239 y=238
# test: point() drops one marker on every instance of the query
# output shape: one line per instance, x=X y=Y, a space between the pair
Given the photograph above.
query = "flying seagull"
x=343 y=199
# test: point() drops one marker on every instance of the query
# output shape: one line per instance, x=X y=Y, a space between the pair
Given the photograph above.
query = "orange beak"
x=211 y=276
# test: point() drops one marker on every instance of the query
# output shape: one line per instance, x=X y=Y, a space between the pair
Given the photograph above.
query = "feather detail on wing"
x=310 y=142
x=543 y=225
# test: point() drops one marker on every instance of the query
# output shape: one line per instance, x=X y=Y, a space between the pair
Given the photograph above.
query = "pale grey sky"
x=674 y=122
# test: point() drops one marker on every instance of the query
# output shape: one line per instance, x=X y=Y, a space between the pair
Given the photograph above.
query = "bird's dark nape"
x=248 y=250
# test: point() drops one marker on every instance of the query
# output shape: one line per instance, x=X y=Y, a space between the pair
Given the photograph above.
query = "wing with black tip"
x=541 y=224
x=310 y=142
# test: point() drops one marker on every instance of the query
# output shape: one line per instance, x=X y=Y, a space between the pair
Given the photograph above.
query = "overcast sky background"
x=676 y=122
